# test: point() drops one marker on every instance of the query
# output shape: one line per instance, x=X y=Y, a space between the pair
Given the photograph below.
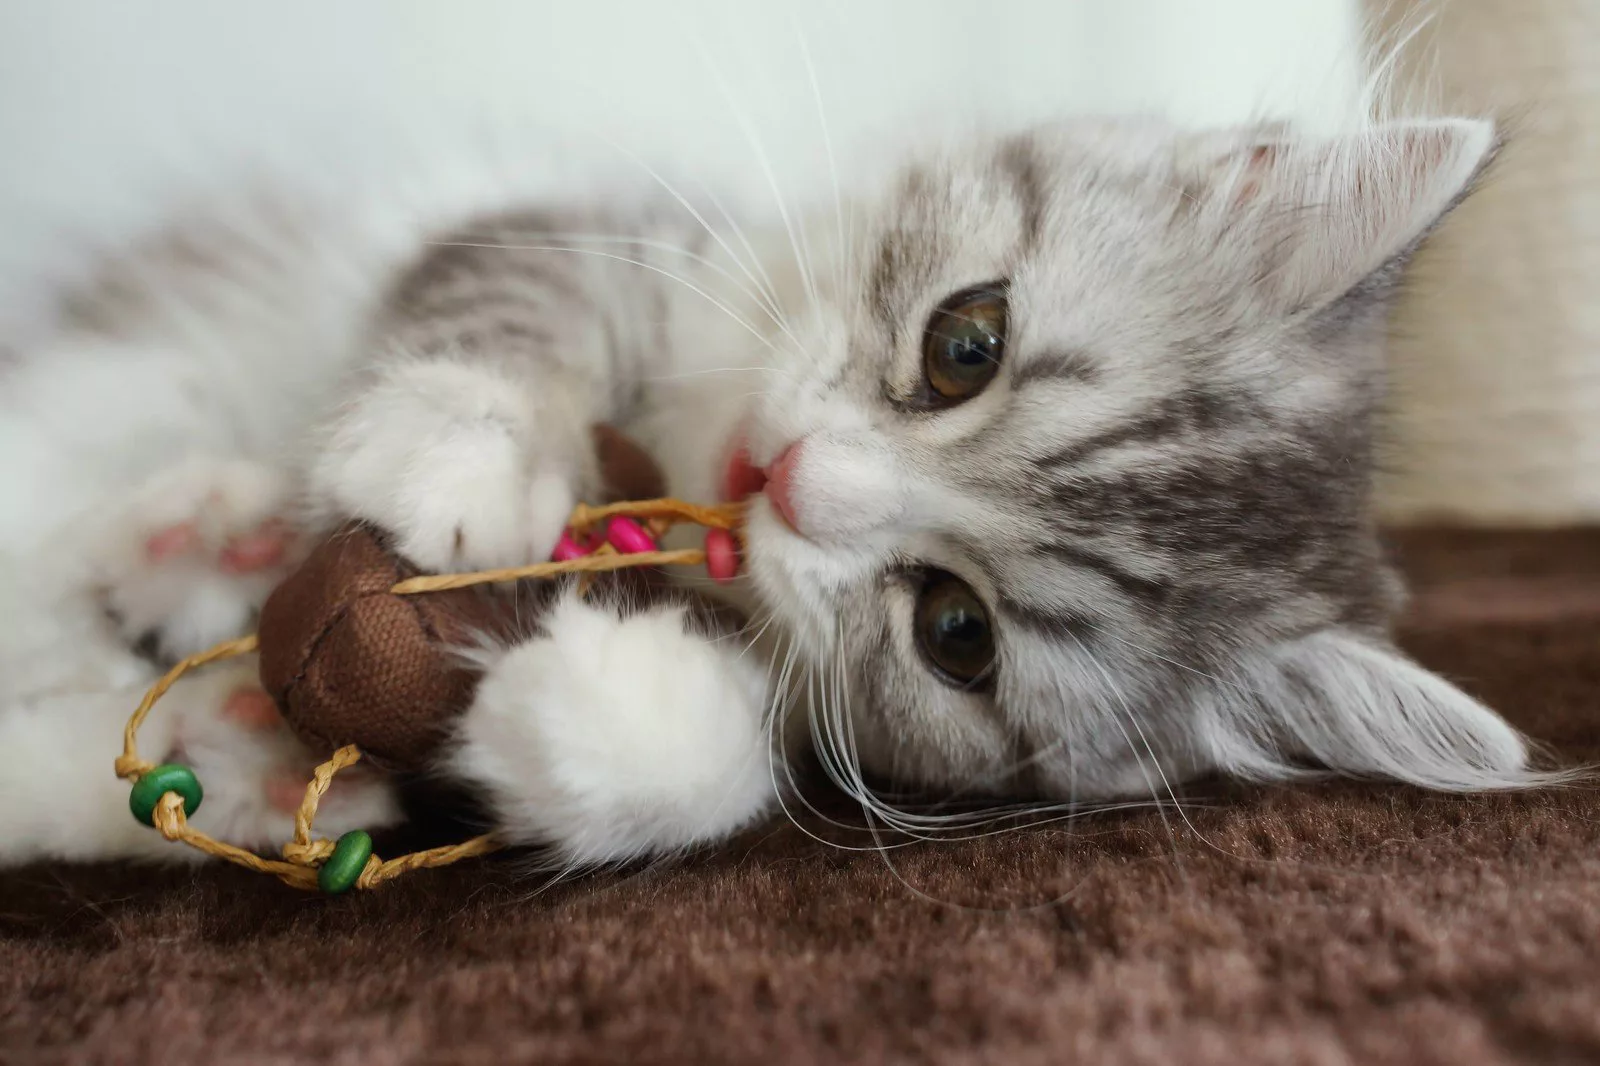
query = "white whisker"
x=765 y=282
x=760 y=300
x=686 y=283
x=796 y=235
x=1155 y=761
x=827 y=144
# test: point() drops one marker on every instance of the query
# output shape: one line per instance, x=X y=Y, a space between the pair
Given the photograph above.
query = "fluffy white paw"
x=193 y=553
x=613 y=738
x=460 y=464
x=253 y=769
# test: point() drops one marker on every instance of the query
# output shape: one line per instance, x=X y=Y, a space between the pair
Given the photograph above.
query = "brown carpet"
x=1338 y=924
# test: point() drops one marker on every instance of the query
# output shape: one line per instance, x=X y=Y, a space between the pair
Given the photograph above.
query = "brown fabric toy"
x=349 y=662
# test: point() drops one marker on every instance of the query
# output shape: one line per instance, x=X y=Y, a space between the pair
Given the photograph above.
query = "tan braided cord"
x=305 y=853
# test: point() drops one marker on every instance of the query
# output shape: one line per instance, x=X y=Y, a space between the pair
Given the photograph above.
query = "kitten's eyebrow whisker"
x=744 y=242
x=827 y=144
x=797 y=242
x=765 y=284
x=713 y=370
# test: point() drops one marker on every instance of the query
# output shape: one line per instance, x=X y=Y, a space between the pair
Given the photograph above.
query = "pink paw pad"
x=263 y=547
x=252 y=708
x=175 y=540
x=285 y=790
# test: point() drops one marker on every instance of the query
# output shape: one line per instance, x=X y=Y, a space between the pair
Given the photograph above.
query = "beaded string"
x=165 y=796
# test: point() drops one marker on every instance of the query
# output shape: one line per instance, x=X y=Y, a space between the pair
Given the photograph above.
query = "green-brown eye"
x=964 y=343
x=953 y=630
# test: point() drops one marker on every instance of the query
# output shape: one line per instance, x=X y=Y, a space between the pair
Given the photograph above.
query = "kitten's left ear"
x=1326 y=215
x=1356 y=706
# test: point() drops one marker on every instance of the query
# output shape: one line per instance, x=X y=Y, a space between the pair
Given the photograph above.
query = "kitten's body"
x=1162 y=501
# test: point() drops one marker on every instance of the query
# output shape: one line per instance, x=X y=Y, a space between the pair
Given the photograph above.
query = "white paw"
x=193 y=553
x=460 y=464
x=253 y=770
x=614 y=738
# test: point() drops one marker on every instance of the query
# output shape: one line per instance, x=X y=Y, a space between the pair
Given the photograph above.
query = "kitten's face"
x=1082 y=461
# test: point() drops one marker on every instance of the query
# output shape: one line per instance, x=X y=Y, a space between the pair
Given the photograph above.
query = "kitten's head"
x=1077 y=493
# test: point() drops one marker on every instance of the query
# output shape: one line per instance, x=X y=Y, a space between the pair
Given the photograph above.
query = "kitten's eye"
x=953 y=629
x=964 y=343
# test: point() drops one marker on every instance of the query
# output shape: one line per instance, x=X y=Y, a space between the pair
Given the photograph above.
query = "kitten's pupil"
x=964 y=343
x=958 y=628
x=953 y=629
x=972 y=352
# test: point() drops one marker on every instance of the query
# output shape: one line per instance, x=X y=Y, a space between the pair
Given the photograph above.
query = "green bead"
x=157 y=782
x=344 y=866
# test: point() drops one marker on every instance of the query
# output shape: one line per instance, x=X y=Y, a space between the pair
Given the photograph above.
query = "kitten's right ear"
x=1321 y=216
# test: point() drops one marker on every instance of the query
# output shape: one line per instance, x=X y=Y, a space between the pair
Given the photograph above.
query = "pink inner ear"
x=1260 y=161
x=1421 y=154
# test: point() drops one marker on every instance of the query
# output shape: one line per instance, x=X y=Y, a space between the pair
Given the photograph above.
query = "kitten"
x=1060 y=452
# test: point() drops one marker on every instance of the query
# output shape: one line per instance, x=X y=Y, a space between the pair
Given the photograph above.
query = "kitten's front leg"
x=469 y=439
x=465 y=465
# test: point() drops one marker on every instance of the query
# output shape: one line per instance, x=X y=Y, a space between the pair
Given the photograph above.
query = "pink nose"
x=780 y=478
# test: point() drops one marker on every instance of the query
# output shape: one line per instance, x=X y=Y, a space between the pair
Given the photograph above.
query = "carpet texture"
x=1342 y=923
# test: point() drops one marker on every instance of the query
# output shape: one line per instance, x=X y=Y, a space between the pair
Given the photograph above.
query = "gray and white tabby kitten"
x=1063 y=446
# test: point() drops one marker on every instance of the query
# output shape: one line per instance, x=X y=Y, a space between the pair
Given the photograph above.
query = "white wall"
x=107 y=106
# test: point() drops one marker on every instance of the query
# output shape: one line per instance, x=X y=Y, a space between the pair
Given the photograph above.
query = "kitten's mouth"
x=742 y=478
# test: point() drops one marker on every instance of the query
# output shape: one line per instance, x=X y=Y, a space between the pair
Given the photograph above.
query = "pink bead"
x=628 y=536
x=567 y=549
x=722 y=555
